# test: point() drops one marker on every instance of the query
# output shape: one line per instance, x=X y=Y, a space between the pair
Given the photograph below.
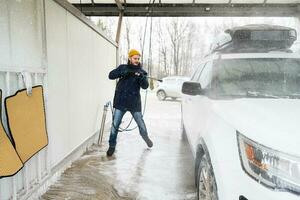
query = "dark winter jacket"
x=127 y=95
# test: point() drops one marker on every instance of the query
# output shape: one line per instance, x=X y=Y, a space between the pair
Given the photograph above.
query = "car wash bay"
x=135 y=172
x=51 y=43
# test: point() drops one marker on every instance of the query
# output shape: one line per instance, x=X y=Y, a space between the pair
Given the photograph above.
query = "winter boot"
x=110 y=151
x=148 y=141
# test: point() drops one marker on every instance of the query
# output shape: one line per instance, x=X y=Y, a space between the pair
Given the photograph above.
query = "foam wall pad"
x=27 y=122
x=10 y=163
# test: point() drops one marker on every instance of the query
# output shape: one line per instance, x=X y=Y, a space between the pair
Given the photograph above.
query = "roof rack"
x=255 y=38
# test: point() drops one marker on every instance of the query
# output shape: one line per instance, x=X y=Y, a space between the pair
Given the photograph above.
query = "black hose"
x=127 y=127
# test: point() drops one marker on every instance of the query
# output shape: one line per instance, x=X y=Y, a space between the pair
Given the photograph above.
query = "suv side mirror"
x=191 y=88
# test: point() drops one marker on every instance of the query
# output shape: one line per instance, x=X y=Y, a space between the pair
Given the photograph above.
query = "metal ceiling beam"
x=187 y=10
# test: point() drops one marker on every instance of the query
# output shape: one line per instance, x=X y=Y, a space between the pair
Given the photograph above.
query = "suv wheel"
x=206 y=184
x=161 y=95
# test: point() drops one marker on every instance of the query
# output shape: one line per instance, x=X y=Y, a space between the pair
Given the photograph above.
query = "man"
x=127 y=97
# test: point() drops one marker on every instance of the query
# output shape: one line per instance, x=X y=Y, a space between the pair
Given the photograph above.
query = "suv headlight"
x=269 y=167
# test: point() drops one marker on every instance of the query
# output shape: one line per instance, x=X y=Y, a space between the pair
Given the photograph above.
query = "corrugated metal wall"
x=72 y=61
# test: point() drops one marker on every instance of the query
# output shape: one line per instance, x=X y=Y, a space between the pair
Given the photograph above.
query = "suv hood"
x=274 y=123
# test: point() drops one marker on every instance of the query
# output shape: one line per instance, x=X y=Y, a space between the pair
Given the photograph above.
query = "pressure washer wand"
x=154 y=78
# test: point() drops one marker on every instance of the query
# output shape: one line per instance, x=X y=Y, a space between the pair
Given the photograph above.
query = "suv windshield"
x=258 y=78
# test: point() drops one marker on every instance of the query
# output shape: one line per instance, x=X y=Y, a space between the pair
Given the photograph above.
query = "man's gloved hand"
x=141 y=76
x=143 y=80
x=127 y=72
x=138 y=74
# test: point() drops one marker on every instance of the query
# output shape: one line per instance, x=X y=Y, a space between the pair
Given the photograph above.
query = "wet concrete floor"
x=164 y=172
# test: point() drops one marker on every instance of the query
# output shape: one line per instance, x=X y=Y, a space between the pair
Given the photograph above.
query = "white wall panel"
x=4 y=33
x=58 y=81
x=77 y=80
x=25 y=33
x=71 y=60
x=20 y=31
x=103 y=61
x=79 y=40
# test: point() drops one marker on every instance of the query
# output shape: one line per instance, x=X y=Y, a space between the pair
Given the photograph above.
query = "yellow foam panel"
x=27 y=122
x=10 y=162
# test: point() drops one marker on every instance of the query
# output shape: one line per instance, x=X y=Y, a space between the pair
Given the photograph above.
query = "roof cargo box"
x=255 y=38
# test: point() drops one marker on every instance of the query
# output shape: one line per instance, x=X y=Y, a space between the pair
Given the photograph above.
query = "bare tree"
x=101 y=25
x=162 y=51
x=176 y=31
x=188 y=51
x=127 y=31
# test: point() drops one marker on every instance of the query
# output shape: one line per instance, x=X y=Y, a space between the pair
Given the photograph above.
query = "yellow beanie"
x=133 y=52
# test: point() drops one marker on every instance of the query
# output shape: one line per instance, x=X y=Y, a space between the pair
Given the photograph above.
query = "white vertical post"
x=25 y=178
x=25 y=168
x=7 y=82
x=13 y=179
x=44 y=78
x=35 y=79
x=14 y=187
x=38 y=159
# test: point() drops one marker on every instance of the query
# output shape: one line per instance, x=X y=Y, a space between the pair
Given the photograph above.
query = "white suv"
x=240 y=113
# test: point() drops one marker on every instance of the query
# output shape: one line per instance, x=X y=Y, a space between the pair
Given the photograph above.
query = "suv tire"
x=206 y=183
